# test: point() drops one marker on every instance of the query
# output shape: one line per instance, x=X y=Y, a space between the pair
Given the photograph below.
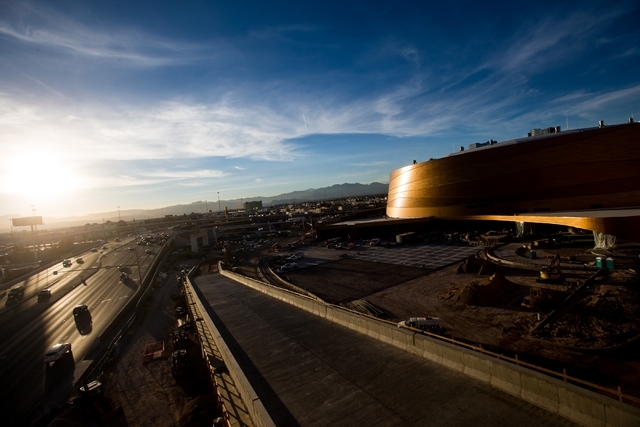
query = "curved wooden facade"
x=590 y=169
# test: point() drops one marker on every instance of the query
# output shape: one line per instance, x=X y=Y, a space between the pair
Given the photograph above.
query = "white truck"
x=423 y=323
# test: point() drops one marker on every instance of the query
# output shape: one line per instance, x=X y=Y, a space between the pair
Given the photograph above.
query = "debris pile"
x=484 y=293
x=473 y=265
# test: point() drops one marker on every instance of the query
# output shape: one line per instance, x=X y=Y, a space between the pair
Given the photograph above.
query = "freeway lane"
x=30 y=328
x=311 y=372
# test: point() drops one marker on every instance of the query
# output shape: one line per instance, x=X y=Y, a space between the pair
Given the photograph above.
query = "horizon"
x=106 y=107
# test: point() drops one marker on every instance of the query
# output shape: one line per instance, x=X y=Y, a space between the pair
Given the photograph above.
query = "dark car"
x=82 y=318
x=44 y=294
x=80 y=309
x=16 y=292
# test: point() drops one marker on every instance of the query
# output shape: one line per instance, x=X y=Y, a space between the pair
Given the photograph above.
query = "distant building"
x=253 y=206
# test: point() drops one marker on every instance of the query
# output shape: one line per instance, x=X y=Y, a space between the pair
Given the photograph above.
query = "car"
x=80 y=309
x=44 y=294
x=66 y=263
x=105 y=247
x=147 y=251
x=80 y=261
x=123 y=276
x=131 y=248
x=16 y=291
x=288 y=266
x=121 y=267
x=57 y=352
x=94 y=250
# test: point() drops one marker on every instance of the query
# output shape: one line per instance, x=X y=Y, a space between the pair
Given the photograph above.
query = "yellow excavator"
x=553 y=271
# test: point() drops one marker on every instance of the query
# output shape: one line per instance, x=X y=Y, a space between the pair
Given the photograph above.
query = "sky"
x=108 y=104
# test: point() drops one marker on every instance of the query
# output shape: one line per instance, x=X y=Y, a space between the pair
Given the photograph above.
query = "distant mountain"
x=310 y=195
x=337 y=191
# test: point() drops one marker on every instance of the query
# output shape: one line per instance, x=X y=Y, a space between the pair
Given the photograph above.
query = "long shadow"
x=59 y=374
x=274 y=406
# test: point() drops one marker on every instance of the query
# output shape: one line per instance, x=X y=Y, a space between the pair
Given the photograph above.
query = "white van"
x=424 y=323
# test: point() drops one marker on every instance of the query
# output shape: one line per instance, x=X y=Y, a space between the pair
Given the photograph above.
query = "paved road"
x=311 y=372
x=31 y=327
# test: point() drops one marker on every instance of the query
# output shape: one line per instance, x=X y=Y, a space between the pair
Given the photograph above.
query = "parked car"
x=80 y=261
x=57 y=352
x=121 y=267
x=123 y=276
x=424 y=323
x=288 y=266
x=94 y=250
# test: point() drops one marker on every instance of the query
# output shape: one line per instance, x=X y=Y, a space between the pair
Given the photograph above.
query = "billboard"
x=27 y=220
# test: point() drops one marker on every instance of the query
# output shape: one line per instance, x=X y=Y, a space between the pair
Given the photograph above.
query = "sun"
x=39 y=174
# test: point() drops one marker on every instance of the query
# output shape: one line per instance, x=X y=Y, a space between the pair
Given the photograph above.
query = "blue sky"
x=107 y=104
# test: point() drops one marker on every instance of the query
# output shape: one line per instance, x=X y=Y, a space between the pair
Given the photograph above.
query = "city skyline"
x=104 y=105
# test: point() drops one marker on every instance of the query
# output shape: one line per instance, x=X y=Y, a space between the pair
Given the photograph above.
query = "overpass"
x=301 y=362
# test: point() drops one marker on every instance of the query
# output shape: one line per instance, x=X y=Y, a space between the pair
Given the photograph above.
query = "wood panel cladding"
x=571 y=170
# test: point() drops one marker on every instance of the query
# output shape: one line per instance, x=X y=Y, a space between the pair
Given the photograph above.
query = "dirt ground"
x=149 y=394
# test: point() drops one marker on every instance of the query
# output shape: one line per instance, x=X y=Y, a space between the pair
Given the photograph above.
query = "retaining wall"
x=577 y=404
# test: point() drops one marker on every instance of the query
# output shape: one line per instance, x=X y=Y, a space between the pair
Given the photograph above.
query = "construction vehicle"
x=551 y=273
x=535 y=297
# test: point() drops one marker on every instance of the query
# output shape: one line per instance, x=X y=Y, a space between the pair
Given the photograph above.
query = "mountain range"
x=310 y=195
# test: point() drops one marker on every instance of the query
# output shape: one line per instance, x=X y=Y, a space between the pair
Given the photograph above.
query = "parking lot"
x=427 y=256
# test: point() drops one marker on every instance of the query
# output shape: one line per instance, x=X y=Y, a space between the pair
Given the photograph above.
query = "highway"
x=308 y=371
x=31 y=326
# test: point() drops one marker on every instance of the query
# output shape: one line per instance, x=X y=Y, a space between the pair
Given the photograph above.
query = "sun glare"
x=40 y=175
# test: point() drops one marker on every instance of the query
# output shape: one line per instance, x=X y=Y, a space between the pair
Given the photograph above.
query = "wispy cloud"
x=46 y=27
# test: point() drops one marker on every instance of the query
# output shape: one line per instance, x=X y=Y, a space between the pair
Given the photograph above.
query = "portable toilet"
x=611 y=263
x=599 y=262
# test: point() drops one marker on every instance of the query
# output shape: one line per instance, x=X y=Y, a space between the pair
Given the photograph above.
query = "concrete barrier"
x=255 y=407
x=572 y=402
